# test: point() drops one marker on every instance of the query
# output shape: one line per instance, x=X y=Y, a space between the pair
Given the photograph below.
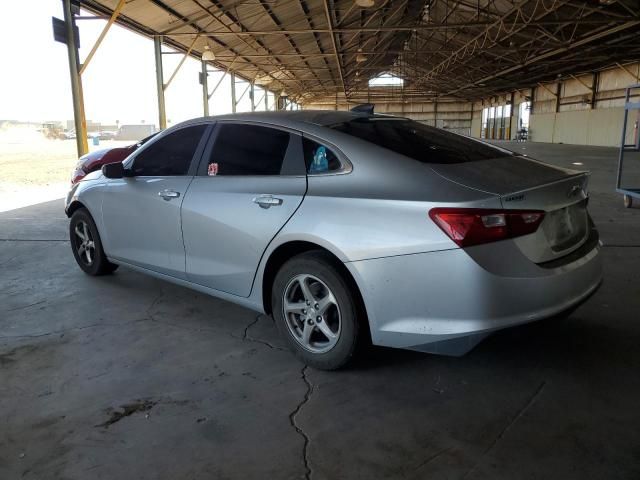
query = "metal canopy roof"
x=320 y=49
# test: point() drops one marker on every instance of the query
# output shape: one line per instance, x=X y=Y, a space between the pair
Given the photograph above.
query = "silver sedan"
x=346 y=227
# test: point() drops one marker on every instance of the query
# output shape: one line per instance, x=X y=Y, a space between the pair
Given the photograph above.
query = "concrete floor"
x=129 y=377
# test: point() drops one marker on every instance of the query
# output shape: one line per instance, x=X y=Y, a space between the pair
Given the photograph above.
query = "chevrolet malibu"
x=346 y=227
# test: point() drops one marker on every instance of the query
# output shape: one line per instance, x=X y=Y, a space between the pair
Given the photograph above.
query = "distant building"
x=135 y=132
x=91 y=126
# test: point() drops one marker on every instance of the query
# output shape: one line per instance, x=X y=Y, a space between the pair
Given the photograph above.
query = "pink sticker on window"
x=213 y=169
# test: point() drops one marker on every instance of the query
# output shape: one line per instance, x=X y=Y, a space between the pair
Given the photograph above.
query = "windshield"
x=418 y=141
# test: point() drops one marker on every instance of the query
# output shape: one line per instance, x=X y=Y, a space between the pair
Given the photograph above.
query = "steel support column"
x=76 y=82
x=435 y=113
x=253 y=100
x=233 y=92
x=205 y=90
x=513 y=99
x=162 y=113
x=594 y=90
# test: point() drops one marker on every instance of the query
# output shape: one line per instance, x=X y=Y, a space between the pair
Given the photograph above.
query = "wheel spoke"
x=325 y=303
x=86 y=232
x=308 y=296
x=295 y=307
x=88 y=254
x=81 y=250
x=79 y=232
x=326 y=331
x=307 y=330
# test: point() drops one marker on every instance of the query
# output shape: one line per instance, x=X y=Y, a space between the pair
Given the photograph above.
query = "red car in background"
x=95 y=160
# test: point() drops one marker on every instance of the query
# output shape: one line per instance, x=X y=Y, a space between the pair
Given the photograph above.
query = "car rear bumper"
x=448 y=301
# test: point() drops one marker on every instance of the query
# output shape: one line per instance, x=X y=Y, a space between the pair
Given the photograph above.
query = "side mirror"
x=113 y=170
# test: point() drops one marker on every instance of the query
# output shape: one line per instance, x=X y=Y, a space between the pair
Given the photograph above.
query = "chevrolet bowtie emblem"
x=573 y=191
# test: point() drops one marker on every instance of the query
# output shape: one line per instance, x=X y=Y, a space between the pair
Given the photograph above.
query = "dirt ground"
x=34 y=169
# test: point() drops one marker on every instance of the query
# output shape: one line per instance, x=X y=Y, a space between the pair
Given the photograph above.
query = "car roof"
x=296 y=119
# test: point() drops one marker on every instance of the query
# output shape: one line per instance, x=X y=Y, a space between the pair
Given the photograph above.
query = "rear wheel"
x=315 y=311
x=86 y=245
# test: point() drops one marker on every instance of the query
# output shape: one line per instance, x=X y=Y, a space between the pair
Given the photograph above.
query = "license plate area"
x=566 y=227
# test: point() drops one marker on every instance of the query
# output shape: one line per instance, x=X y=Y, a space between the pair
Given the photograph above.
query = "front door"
x=251 y=181
x=141 y=213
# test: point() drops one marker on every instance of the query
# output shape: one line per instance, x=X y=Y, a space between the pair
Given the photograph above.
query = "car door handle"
x=267 y=201
x=168 y=194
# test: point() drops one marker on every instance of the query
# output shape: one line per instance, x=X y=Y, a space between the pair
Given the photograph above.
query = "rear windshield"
x=420 y=142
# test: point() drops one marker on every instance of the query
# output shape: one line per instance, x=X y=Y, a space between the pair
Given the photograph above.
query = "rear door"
x=250 y=181
x=141 y=213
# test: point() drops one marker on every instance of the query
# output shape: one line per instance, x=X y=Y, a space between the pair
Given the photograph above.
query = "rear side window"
x=248 y=150
x=319 y=158
x=171 y=155
x=420 y=142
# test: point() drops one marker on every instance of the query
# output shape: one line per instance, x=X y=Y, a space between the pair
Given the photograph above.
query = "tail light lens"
x=79 y=172
x=474 y=226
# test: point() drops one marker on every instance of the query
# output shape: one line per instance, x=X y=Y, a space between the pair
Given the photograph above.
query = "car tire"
x=308 y=320
x=86 y=245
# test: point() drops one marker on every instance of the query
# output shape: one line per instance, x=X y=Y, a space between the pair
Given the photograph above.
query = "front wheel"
x=315 y=311
x=86 y=245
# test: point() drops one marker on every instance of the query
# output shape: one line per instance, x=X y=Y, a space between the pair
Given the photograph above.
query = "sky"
x=119 y=83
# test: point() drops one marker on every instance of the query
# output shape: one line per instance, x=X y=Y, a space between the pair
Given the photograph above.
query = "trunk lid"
x=526 y=184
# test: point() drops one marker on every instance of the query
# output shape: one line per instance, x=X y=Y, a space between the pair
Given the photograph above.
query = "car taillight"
x=78 y=173
x=474 y=226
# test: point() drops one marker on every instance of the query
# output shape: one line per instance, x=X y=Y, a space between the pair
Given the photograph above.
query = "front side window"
x=171 y=155
x=419 y=142
x=248 y=150
x=319 y=158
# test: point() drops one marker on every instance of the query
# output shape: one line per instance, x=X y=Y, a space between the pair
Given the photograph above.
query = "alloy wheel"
x=84 y=243
x=312 y=313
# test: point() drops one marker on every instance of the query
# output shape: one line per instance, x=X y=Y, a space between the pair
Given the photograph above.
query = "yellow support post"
x=76 y=81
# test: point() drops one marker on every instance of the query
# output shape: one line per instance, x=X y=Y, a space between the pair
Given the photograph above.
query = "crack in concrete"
x=9 y=260
x=245 y=334
x=73 y=329
x=294 y=423
x=127 y=410
x=433 y=457
x=508 y=426
x=26 y=306
x=247 y=338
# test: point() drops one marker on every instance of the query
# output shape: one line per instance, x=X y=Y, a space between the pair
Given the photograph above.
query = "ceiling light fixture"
x=361 y=57
x=365 y=3
x=263 y=79
x=208 y=55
